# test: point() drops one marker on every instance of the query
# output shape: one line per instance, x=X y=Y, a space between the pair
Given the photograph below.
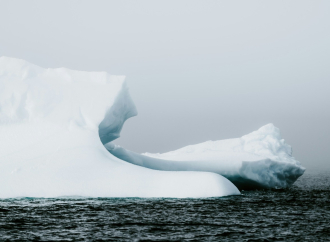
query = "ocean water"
x=301 y=213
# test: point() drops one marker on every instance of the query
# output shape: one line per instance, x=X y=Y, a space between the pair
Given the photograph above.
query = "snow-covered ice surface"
x=260 y=159
x=53 y=124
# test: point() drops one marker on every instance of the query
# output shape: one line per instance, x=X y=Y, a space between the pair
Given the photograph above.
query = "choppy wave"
x=300 y=213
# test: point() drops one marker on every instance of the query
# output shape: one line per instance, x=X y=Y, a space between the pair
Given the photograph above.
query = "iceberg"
x=260 y=159
x=54 y=126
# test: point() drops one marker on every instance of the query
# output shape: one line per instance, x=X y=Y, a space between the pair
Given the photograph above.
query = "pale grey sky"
x=197 y=70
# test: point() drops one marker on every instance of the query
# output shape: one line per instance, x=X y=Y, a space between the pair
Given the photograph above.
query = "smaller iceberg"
x=260 y=159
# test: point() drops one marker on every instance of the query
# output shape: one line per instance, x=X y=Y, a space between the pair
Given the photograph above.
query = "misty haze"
x=164 y=120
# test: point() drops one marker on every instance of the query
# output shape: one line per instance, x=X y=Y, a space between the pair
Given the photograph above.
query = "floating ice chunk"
x=260 y=159
x=53 y=123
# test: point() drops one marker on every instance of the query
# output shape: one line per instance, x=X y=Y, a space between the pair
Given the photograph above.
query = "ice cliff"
x=53 y=127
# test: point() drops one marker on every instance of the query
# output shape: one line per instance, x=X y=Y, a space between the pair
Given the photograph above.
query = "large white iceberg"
x=260 y=159
x=53 y=124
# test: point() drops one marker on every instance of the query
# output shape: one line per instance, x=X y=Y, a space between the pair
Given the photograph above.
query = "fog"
x=197 y=70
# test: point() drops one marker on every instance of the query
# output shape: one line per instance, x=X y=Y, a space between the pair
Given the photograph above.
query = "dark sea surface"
x=301 y=213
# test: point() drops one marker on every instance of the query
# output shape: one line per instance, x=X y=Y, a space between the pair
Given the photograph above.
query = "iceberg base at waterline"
x=53 y=127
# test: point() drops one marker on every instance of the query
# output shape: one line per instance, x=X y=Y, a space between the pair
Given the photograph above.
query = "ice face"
x=260 y=159
x=53 y=124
